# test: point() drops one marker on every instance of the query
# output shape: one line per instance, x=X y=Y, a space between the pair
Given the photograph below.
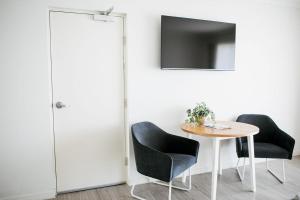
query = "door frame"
x=123 y=16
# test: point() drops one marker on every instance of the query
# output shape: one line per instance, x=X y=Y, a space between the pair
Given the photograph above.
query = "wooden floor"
x=229 y=187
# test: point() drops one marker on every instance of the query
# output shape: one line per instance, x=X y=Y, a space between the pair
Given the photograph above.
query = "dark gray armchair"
x=162 y=156
x=270 y=142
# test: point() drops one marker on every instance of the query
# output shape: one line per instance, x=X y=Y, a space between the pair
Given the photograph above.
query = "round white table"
x=236 y=130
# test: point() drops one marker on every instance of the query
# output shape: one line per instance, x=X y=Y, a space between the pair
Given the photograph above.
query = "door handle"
x=60 y=105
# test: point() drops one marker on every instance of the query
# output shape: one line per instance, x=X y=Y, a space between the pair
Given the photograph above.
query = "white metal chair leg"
x=190 y=180
x=165 y=184
x=135 y=196
x=183 y=179
x=241 y=176
x=283 y=170
x=276 y=176
x=177 y=187
x=170 y=190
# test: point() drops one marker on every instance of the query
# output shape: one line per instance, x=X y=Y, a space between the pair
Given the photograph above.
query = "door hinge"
x=125 y=103
x=126 y=161
x=124 y=40
x=124 y=51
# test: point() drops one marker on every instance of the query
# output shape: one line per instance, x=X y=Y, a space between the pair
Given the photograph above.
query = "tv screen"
x=197 y=44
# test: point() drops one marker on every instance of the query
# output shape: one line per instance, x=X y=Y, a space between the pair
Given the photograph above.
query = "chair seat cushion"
x=266 y=150
x=181 y=162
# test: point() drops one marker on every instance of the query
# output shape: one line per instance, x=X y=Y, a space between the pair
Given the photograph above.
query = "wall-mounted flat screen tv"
x=197 y=44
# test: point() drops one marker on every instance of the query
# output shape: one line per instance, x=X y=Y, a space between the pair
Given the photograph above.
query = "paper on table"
x=217 y=126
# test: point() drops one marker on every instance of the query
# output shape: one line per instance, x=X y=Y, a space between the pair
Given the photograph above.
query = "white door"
x=87 y=78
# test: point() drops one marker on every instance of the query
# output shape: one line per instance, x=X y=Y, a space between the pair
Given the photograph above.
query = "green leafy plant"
x=199 y=113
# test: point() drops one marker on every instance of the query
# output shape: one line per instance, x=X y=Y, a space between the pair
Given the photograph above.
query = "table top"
x=237 y=129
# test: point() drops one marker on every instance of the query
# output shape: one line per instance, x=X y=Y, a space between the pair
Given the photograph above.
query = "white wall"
x=266 y=79
x=26 y=150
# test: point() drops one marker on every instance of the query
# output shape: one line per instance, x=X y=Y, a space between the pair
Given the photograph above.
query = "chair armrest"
x=153 y=163
x=182 y=145
x=285 y=141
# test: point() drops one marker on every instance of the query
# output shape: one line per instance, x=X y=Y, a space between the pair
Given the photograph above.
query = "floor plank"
x=229 y=187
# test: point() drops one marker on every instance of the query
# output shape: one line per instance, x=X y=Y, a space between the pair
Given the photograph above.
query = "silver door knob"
x=60 y=105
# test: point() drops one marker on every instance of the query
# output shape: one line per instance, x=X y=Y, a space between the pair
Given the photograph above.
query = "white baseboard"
x=296 y=152
x=34 y=196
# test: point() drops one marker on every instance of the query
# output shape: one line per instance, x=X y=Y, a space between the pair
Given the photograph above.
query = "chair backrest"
x=266 y=125
x=148 y=134
x=149 y=144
